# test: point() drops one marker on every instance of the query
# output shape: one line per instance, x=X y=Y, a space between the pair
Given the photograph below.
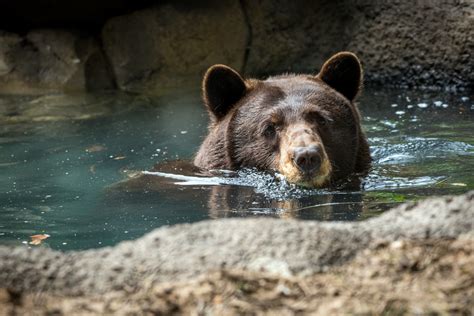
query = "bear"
x=304 y=126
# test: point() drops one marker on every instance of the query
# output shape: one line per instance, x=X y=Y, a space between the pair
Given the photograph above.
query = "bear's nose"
x=307 y=159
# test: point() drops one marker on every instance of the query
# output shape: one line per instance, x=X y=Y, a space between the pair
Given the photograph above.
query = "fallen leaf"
x=37 y=239
x=95 y=148
x=119 y=157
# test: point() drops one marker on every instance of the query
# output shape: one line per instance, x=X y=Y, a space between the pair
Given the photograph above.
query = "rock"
x=296 y=36
x=424 y=277
x=414 y=43
x=270 y=265
x=171 y=45
x=183 y=251
x=51 y=61
x=7 y=42
x=421 y=44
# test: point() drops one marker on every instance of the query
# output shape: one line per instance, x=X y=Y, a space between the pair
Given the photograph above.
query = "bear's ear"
x=222 y=88
x=343 y=73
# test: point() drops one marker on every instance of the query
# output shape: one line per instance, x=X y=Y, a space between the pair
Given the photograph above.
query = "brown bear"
x=306 y=127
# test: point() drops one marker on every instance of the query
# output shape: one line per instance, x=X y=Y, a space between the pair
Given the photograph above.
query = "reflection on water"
x=72 y=166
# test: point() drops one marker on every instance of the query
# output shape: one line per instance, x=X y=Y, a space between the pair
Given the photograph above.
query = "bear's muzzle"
x=303 y=159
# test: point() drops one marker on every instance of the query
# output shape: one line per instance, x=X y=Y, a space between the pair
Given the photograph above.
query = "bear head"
x=305 y=127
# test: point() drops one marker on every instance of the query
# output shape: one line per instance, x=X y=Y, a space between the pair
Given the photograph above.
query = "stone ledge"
x=429 y=276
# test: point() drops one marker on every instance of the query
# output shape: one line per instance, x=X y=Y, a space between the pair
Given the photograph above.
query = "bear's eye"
x=269 y=131
x=318 y=119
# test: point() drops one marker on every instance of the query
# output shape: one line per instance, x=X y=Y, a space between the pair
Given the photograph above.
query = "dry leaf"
x=119 y=157
x=95 y=148
x=37 y=239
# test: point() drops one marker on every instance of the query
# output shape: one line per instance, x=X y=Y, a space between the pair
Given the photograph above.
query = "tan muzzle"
x=303 y=160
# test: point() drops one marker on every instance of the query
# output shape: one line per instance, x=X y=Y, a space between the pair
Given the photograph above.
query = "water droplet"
x=422 y=105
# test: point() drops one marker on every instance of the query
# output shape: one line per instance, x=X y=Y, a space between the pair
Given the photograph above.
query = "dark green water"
x=59 y=155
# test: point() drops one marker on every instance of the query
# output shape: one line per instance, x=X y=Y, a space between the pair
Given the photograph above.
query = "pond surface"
x=64 y=159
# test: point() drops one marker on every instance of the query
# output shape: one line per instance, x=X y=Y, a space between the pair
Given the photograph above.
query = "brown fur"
x=260 y=123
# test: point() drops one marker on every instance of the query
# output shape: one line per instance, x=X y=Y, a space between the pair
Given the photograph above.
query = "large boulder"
x=171 y=45
x=415 y=43
x=294 y=36
x=51 y=61
x=400 y=43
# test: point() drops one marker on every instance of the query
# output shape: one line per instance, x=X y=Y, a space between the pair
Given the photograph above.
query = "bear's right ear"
x=222 y=88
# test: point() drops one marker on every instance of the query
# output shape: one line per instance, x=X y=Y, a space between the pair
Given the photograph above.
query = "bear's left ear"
x=222 y=88
x=343 y=73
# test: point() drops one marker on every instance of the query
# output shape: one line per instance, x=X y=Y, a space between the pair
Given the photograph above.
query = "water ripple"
x=417 y=149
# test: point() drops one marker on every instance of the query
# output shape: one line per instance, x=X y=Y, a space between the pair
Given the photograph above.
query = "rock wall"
x=52 y=61
x=400 y=43
x=170 y=44
x=415 y=43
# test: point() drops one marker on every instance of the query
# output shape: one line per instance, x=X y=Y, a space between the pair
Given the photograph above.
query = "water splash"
x=272 y=186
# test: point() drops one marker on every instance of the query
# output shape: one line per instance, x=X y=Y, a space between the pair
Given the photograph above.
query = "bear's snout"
x=307 y=159
x=303 y=159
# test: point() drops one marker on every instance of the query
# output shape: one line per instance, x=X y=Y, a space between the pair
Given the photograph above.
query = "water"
x=64 y=159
